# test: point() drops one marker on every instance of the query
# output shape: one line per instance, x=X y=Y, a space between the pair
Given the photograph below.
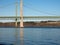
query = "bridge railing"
x=30 y=18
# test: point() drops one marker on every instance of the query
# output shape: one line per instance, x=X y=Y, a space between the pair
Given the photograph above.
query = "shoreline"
x=32 y=24
x=32 y=27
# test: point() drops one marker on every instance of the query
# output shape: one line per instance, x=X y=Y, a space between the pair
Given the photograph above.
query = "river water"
x=29 y=36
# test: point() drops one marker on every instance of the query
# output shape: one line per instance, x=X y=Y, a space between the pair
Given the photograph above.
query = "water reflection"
x=19 y=40
x=29 y=36
x=21 y=36
x=11 y=36
x=16 y=36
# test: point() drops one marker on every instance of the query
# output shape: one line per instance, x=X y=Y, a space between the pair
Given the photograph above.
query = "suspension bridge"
x=22 y=18
x=30 y=18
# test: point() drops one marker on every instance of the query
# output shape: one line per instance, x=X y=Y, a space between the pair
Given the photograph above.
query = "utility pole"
x=16 y=13
x=21 y=13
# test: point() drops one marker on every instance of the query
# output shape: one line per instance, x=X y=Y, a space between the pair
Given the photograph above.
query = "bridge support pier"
x=21 y=22
x=16 y=23
x=21 y=13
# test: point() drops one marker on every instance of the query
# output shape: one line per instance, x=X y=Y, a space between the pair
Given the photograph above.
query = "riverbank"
x=32 y=24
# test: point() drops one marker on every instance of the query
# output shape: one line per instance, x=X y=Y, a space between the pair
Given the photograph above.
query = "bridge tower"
x=16 y=13
x=21 y=13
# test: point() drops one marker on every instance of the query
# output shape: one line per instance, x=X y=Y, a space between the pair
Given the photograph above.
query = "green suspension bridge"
x=22 y=18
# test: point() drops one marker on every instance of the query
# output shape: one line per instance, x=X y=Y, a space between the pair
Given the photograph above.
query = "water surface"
x=30 y=36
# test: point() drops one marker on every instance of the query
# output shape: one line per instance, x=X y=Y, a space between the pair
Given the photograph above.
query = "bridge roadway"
x=30 y=18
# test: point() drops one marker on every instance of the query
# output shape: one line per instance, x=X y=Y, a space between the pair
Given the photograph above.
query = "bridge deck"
x=30 y=17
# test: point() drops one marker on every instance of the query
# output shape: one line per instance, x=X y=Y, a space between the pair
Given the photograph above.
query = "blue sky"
x=31 y=7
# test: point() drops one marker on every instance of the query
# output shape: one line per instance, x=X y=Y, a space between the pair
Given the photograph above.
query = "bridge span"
x=18 y=17
x=30 y=18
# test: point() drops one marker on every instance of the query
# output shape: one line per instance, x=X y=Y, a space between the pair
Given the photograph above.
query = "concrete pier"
x=21 y=13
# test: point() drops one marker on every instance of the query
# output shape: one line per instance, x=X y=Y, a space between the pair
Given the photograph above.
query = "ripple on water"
x=30 y=42
x=6 y=44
